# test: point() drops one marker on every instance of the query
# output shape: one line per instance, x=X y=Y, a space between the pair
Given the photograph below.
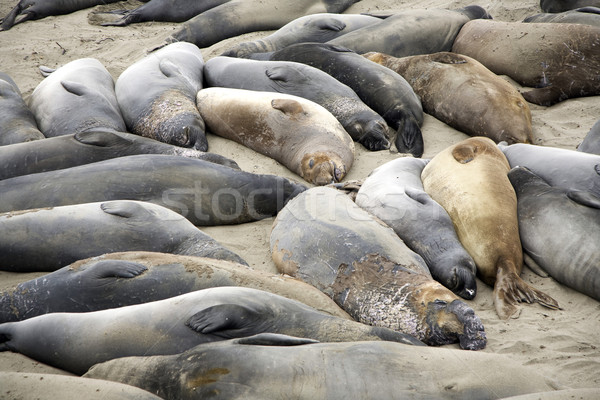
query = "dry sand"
x=563 y=345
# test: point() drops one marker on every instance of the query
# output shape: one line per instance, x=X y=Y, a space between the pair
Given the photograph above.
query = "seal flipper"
x=409 y=138
x=101 y=138
x=125 y=209
x=116 y=269
x=287 y=106
x=545 y=96
x=274 y=339
x=224 y=320
x=533 y=265
x=6 y=337
x=584 y=198
x=331 y=24
x=76 y=88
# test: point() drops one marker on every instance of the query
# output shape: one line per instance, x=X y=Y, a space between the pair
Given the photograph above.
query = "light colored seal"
x=81 y=148
x=584 y=15
x=323 y=238
x=362 y=123
x=559 y=231
x=48 y=239
x=297 y=132
x=469 y=180
x=157 y=96
x=77 y=97
x=17 y=123
x=295 y=368
x=76 y=341
x=394 y=193
x=535 y=55
x=464 y=94
x=204 y=192
x=591 y=142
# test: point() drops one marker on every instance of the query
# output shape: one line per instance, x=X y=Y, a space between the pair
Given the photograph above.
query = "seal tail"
x=510 y=289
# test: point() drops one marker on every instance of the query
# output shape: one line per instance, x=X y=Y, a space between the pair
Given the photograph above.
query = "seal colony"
x=541 y=337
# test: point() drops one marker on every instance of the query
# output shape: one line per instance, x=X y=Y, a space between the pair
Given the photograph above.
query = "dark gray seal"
x=394 y=193
x=363 y=124
x=559 y=231
x=556 y=6
x=323 y=238
x=318 y=28
x=382 y=89
x=157 y=96
x=411 y=32
x=270 y=366
x=204 y=192
x=564 y=168
x=83 y=85
x=88 y=147
x=584 y=15
x=48 y=239
x=591 y=142
x=236 y=17
x=17 y=123
x=76 y=341
x=134 y=277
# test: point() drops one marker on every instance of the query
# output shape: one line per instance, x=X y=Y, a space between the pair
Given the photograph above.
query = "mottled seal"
x=17 y=123
x=299 y=133
x=157 y=96
x=76 y=341
x=564 y=168
x=584 y=15
x=464 y=94
x=591 y=142
x=469 y=180
x=556 y=6
x=309 y=28
x=411 y=32
x=362 y=123
x=535 y=55
x=204 y=192
x=134 y=277
x=394 y=193
x=79 y=96
x=87 y=147
x=48 y=239
x=382 y=89
x=559 y=230
x=295 y=368
x=323 y=238
x=236 y=17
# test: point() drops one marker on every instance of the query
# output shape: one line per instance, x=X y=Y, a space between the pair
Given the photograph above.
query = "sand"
x=563 y=345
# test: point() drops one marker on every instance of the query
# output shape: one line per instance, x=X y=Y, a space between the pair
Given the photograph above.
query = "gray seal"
x=48 y=239
x=557 y=6
x=76 y=341
x=81 y=148
x=157 y=96
x=17 y=123
x=591 y=142
x=127 y=278
x=559 y=231
x=323 y=238
x=204 y=192
x=394 y=193
x=77 y=97
x=363 y=124
x=270 y=366
x=584 y=15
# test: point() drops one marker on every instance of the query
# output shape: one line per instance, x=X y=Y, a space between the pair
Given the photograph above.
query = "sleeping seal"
x=17 y=123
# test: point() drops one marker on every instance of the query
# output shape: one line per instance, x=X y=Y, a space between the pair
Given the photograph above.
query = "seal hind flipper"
x=116 y=269
x=45 y=71
x=409 y=138
x=274 y=339
x=223 y=317
x=101 y=138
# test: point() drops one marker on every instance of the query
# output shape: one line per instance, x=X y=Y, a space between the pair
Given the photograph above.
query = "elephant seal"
x=382 y=89
x=591 y=142
x=157 y=96
x=81 y=148
x=38 y=9
x=453 y=88
x=303 y=370
x=298 y=133
x=235 y=17
x=584 y=15
x=394 y=193
x=204 y=192
x=21 y=385
x=76 y=341
x=17 y=123
x=323 y=238
x=557 y=6
x=469 y=180
x=363 y=124
x=559 y=230
x=411 y=32
x=535 y=55
x=48 y=239
x=123 y=279
x=564 y=168
x=318 y=28
x=83 y=85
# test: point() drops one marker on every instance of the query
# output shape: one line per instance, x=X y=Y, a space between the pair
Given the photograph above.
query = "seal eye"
x=311 y=163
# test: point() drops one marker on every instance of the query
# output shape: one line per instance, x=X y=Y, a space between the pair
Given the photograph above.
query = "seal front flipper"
x=76 y=88
x=125 y=209
x=533 y=265
x=545 y=96
x=116 y=269
x=274 y=339
x=331 y=24
x=225 y=320
x=102 y=138
x=584 y=198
